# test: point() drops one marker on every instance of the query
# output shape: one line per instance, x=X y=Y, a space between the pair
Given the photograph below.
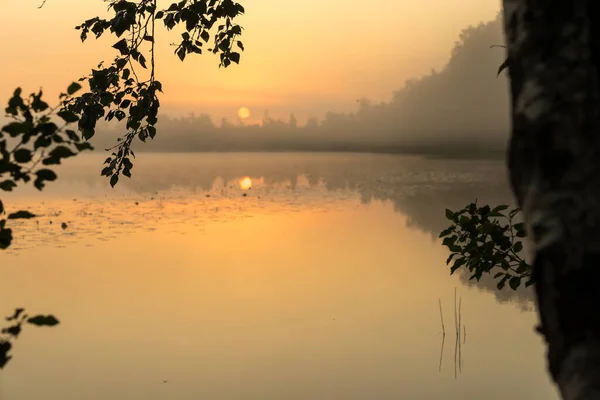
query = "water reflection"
x=418 y=188
x=322 y=282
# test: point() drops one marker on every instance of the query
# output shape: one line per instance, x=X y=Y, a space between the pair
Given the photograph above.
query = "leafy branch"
x=485 y=240
x=117 y=92
x=32 y=141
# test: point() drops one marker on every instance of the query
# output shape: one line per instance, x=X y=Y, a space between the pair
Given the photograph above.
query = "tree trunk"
x=554 y=163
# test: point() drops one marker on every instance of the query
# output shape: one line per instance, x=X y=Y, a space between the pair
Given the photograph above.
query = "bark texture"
x=554 y=163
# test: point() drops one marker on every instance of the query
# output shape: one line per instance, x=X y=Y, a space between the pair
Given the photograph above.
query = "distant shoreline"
x=447 y=152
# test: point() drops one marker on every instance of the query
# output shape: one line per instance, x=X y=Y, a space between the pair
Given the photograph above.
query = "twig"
x=441 y=353
x=442 y=318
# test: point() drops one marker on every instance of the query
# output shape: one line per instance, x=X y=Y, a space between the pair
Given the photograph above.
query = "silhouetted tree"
x=554 y=160
x=40 y=136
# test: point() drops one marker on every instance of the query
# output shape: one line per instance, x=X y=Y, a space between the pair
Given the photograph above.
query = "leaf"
x=518 y=247
x=60 y=152
x=503 y=66
x=84 y=146
x=1 y=208
x=73 y=88
x=16 y=314
x=7 y=185
x=500 y=285
x=457 y=264
x=520 y=229
x=5 y=238
x=159 y=14
x=43 y=320
x=14 y=330
x=68 y=116
x=449 y=241
x=43 y=175
x=449 y=214
x=181 y=53
x=446 y=232
x=113 y=180
x=240 y=45
x=122 y=46
x=16 y=128
x=21 y=215
x=529 y=283
x=22 y=156
x=205 y=36
x=235 y=57
x=4 y=349
x=515 y=282
x=499 y=208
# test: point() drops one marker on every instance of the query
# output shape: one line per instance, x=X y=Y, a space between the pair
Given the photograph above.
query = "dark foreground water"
x=322 y=282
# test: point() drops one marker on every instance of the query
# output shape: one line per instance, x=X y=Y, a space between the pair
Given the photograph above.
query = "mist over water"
x=320 y=279
x=461 y=110
x=279 y=258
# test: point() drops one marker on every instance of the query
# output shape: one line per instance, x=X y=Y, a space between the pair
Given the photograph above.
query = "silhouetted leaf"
x=7 y=185
x=16 y=314
x=518 y=246
x=68 y=116
x=21 y=215
x=22 y=155
x=449 y=214
x=14 y=330
x=43 y=320
x=5 y=238
x=43 y=175
x=114 y=179
x=503 y=66
x=514 y=282
x=73 y=88
x=181 y=53
x=446 y=232
x=16 y=128
x=5 y=347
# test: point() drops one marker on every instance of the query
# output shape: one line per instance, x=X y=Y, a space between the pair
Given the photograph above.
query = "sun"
x=244 y=113
x=245 y=183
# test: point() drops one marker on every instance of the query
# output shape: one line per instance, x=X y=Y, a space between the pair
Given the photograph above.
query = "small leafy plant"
x=484 y=241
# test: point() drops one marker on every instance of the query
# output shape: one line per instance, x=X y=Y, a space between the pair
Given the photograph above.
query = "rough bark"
x=554 y=163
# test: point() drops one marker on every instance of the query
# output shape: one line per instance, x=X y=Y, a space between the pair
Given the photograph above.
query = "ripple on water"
x=102 y=218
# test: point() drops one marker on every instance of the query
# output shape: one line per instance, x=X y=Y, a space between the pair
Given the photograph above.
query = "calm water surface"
x=322 y=282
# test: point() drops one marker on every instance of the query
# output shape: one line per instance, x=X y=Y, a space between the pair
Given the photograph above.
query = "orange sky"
x=306 y=57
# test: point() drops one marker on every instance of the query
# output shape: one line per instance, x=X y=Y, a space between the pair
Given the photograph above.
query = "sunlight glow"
x=245 y=183
x=244 y=113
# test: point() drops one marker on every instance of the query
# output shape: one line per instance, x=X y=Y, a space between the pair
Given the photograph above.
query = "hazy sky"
x=306 y=57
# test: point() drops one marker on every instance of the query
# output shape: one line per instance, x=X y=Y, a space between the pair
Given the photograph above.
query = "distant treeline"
x=459 y=111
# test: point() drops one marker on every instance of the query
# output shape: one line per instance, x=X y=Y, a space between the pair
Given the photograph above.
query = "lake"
x=319 y=276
